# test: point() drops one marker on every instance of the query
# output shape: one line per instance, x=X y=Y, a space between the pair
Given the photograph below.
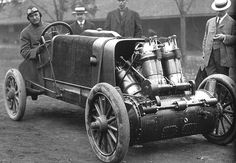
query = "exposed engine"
x=154 y=68
x=161 y=104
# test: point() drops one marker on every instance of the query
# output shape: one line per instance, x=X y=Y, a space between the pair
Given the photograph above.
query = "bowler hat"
x=220 y=5
x=79 y=9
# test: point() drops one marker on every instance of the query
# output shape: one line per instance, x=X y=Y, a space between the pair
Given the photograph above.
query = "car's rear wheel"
x=14 y=94
x=107 y=123
x=225 y=129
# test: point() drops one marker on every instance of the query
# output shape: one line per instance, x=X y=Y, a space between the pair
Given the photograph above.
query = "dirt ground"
x=54 y=132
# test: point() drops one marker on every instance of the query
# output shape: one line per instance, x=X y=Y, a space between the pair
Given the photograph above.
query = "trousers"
x=214 y=66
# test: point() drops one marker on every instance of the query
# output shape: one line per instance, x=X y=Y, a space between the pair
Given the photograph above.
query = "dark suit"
x=224 y=56
x=77 y=30
x=128 y=25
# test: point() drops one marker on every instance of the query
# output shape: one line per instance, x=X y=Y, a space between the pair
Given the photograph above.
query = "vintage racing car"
x=133 y=89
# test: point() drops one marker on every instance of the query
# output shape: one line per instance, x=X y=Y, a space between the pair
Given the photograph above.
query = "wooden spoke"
x=17 y=100
x=228 y=112
x=227 y=119
x=217 y=128
x=223 y=127
x=11 y=104
x=14 y=108
x=111 y=120
x=10 y=83
x=227 y=104
x=101 y=104
x=110 y=142
x=96 y=134
x=100 y=140
x=105 y=143
x=113 y=137
x=112 y=128
x=97 y=109
x=17 y=93
x=224 y=97
x=94 y=117
x=109 y=110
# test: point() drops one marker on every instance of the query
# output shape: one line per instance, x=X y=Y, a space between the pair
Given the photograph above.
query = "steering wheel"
x=54 y=29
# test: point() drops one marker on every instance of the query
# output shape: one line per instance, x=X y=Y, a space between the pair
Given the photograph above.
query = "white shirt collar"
x=222 y=18
x=80 y=22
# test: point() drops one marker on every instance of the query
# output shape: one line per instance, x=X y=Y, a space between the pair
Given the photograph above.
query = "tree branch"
x=189 y=5
x=181 y=5
x=2 y=5
x=178 y=5
x=43 y=9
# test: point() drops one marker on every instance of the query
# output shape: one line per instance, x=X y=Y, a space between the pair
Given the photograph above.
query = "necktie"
x=217 y=24
x=218 y=21
x=81 y=25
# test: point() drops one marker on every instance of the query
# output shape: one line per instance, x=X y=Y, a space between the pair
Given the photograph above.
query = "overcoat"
x=227 y=46
x=129 y=25
x=30 y=40
x=77 y=30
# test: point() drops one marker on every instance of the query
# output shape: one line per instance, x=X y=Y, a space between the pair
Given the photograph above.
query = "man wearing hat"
x=30 y=35
x=219 y=41
x=81 y=23
x=124 y=21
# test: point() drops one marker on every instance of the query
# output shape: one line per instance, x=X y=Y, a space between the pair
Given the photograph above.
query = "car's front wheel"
x=107 y=123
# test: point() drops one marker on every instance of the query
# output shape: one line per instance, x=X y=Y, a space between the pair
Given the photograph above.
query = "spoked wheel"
x=225 y=129
x=14 y=94
x=107 y=123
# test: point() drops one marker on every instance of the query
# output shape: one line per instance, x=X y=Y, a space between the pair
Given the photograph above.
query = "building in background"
x=186 y=19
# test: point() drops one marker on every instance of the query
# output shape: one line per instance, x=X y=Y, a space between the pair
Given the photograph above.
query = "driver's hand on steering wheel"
x=40 y=49
x=49 y=36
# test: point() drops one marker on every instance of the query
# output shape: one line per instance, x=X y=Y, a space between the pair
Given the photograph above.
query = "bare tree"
x=44 y=9
x=4 y=3
x=10 y=3
x=183 y=6
x=62 y=6
x=55 y=10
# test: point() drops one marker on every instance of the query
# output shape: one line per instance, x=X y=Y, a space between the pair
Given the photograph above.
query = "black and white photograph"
x=117 y=81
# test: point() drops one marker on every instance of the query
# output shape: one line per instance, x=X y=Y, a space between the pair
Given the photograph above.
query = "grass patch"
x=10 y=52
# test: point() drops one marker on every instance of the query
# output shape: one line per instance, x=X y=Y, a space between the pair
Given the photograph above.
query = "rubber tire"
x=229 y=84
x=121 y=115
x=20 y=85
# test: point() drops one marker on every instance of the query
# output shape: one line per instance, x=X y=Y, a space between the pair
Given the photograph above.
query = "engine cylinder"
x=151 y=64
x=127 y=82
x=172 y=66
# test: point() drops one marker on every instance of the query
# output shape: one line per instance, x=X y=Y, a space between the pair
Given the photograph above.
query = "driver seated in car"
x=30 y=36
